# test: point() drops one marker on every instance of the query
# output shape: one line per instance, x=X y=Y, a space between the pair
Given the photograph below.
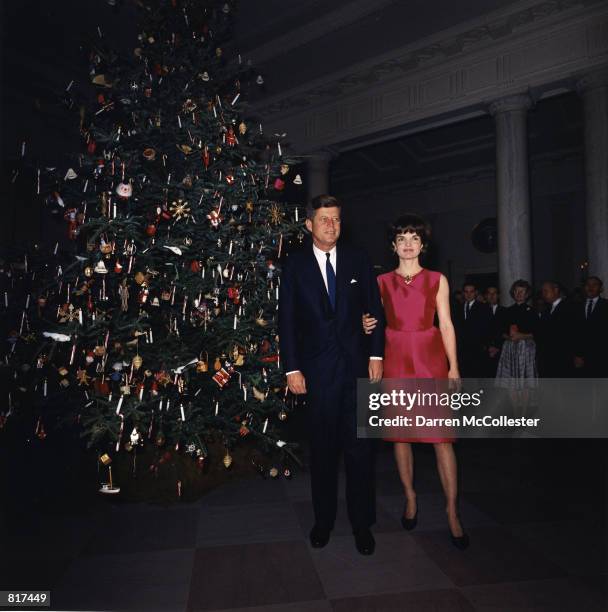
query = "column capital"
x=323 y=155
x=517 y=102
x=592 y=80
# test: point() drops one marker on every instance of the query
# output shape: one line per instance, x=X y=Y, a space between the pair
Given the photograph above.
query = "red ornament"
x=279 y=184
x=230 y=137
x=151 y=230
x=118 y=267
x=91 y=146
x=222 y=376
x=195 y=266
x=206 y=157
x=234 y=294
x=101 y=98
x=215 y=217
x=71 y=216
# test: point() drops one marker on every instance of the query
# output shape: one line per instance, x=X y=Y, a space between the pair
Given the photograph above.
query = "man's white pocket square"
x=353 y=281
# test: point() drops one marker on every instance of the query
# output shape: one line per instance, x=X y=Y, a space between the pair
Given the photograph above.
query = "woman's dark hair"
x=414 y=224
x=521 y=283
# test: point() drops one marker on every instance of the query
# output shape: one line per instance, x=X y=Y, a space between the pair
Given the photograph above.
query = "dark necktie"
x=468 y=314
x=331 y=281
x=589 y=307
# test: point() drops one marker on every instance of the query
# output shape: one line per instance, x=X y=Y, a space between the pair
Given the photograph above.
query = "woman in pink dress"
x=415 y=348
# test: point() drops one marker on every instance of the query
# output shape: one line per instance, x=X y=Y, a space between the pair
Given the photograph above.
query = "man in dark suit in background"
x=472 y=321
x=325 y=289
x=592 y=331
x=497 y=327
x=554 y=338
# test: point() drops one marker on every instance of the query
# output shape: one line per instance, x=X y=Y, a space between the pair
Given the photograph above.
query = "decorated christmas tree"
x=158 y=326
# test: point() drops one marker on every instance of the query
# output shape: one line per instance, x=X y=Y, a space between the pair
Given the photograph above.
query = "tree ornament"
x=137 y=362
x=282 y=415
x=124 y=190
x=149 y=154
x=230 y=137
x=215 y=218
x=206 y=157
x=242 y=128
x=139 y=277
x=179 y=209
x=227 y=460
x=151 y=230
x=276 y=214
x=284 y=169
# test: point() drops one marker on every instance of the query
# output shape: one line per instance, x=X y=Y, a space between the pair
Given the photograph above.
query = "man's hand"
x=375 y=368
x=296 y=383
x=369 y=323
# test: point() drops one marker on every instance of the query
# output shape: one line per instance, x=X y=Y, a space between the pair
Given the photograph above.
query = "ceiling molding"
x=440 y=47
x=329 y=22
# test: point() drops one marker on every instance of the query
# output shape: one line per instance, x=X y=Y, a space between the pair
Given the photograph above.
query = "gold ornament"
x=217 y=364
x=249 y=206
x=282 y=415
x=273 y=472
x=180 y=209
x=227 y=460
x=284 y=168
x=82 y=377
x=276 y=214
x=88 y=271
x=140 y=278
x=242 y=128
x=137 y=362
x=185 y=149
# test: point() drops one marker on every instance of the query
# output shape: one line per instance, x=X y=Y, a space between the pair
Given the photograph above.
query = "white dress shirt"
x=321 y=258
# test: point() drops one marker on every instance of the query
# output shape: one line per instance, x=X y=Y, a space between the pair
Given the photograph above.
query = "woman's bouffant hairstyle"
x=414 y=224
x=521 y=283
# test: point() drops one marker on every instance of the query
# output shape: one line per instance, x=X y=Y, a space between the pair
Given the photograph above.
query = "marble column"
x=512 y=192
x=593 y=89
x=318 y=173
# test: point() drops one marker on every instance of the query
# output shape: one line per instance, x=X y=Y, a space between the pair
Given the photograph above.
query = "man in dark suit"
x=497 y=328
x=592 y=331
x=472 y=322
x=554 y=338
x=325 y=289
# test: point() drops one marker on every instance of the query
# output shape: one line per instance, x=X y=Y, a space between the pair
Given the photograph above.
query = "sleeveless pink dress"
x=413 y=345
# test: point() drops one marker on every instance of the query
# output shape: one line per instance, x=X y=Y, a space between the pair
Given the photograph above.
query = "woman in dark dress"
x=415 y=348
x=517 y=370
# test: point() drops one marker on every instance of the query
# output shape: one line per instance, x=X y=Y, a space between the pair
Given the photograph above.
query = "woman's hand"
x=454 y=382
x=369 y=323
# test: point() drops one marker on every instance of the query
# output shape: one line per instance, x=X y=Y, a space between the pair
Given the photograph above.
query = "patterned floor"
x=535 y=512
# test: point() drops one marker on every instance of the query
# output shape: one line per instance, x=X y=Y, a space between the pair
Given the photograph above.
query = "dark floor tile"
x=247 y=524
x=38 y=570
x=300 y=606
x=304 y=511
x=127 y=531
x=533 y=505
x=253 y=575
x=494 y=555
x=578 y=547
x=553 y=595
x=158 y=580
x=398 y=564
x=444 y=600
x=250 y=491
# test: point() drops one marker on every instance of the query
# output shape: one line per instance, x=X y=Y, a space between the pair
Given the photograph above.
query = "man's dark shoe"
x=319 y=536
x=364 y=541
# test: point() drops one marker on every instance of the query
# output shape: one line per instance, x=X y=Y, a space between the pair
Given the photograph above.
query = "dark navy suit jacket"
x=312 y=335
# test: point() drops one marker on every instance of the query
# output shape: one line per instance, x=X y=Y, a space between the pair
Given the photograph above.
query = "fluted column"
x=512 y=191
x=593 y=89
x=318 y=173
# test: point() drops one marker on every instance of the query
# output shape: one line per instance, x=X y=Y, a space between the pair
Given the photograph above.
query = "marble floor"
x=535 y=512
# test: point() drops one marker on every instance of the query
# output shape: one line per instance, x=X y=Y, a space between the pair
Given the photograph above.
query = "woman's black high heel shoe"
x=409 y=523
x=460 y=542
